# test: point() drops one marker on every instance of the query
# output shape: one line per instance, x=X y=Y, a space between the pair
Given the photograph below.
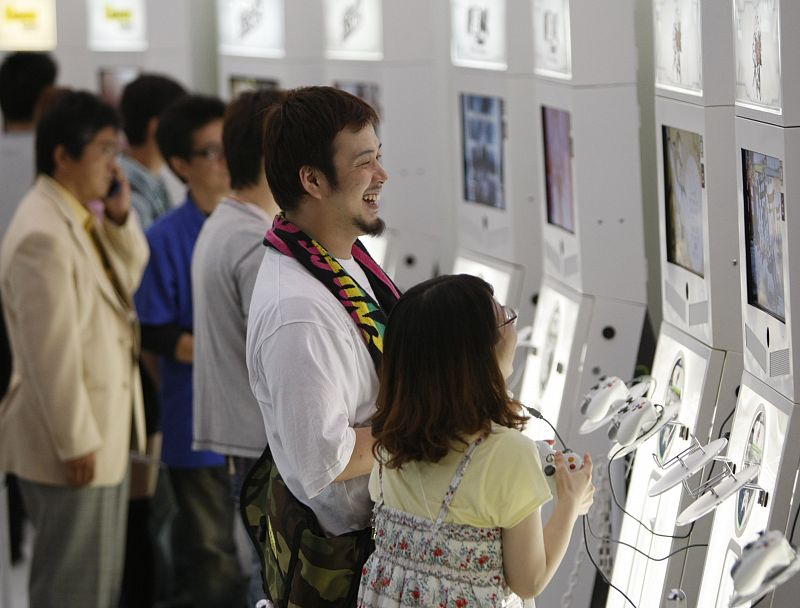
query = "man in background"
x=190 y=138
x=73 y=410
x=227 y=419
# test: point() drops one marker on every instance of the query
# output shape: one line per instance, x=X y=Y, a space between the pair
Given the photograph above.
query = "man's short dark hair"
x=181 y=119
x=23 y=78
x=72 y=121
x=300 y=130
x=144 y=99
x=243 y=133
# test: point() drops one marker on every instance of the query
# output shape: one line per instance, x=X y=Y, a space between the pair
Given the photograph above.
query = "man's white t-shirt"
x=314 y=381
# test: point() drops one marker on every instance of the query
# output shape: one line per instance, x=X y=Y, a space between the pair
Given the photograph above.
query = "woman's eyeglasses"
x=509 y=316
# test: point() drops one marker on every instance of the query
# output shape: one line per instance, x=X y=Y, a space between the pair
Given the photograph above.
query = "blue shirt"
x=165 y=297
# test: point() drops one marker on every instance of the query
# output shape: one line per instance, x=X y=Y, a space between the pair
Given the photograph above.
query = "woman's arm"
x=532 y=552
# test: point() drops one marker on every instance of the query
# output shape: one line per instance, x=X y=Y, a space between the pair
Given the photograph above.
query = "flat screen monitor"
x=241 y=84
x=683 y=197
x=368 y=91
x=478 y=34
x=353 y=29
x=552 y=53
x=556 y=131
x=28 y=26
x=482 y=130
x=764 y=224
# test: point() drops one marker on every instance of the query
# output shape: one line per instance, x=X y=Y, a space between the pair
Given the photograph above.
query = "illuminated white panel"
x=251 y=28
x=758 y=436
x=678 y=45
x=117 y=25
x=757 y=40
x=27 y=25
x=552 y=54
x=478 y=30
x=354 y=29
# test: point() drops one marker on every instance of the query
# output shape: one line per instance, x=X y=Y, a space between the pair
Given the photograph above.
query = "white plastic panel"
x=354 y=29
x=251 y=28
x=120 y=25
x=478 y=34
x=27 y=25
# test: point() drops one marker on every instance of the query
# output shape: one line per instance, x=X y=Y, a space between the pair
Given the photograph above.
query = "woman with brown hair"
x=458 y=488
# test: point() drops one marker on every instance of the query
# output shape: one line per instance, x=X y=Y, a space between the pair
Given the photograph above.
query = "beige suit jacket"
x=75 y=386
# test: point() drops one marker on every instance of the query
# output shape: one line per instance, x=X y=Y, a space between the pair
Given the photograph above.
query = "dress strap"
x=457 y=477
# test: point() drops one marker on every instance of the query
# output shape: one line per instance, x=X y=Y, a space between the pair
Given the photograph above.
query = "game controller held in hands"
x=547 y=454
x=635 y=419
x=761 y=561
x=602 y=396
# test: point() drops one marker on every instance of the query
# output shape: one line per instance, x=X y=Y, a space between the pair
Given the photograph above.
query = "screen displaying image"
x=556 y=132
x=757 y=36
x=683 y=197
x=368 y=91
x=112 y=81
x=482 y=135
x=552 y=54
x=478 y=30
x=764 y=219
x=241 y=84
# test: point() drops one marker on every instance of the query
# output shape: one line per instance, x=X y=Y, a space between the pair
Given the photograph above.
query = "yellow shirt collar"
x=83 y=215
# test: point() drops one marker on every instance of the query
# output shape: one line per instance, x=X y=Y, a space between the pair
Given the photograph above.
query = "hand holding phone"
x=118 y=197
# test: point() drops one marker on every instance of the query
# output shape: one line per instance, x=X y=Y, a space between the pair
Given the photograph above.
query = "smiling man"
x=317 y=315
x=74 y=405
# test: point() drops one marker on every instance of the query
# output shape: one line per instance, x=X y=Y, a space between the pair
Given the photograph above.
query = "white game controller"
x=547 y=454
x=633 y=420
x=602 y=396
x=761 y=562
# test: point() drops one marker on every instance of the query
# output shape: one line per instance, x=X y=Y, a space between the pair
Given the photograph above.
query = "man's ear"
x=313 y=181
x=61 y=157
x=152 y=127
x=179 y=166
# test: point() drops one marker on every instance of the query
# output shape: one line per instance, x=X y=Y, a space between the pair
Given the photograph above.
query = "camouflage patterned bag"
x=300 y=567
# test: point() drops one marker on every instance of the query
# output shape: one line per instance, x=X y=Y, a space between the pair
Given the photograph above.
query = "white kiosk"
x=765 y=425
x=698 y=360
x=504 y=277
x=592 y=300
x=493 y=127
x=268 y=44
x=367 y=52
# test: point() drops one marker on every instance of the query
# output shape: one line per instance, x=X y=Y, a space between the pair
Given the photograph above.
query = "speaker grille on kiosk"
x=779 y=363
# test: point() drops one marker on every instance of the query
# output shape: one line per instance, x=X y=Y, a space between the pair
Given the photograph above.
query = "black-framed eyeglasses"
x=509 y=316
x=212 y=152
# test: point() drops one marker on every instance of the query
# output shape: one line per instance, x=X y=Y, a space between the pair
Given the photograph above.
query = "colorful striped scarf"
x=370 y=316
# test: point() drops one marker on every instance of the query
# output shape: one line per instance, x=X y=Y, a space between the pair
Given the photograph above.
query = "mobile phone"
x=113 y=189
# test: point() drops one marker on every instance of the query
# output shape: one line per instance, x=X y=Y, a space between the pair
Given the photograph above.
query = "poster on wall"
x=117 y=25
x=678 y=45
x=757 y=40
x=482 y=121
x=552 y=53
x=354 y=29
x=251 y=28
x=27 y=25
x=478 y=34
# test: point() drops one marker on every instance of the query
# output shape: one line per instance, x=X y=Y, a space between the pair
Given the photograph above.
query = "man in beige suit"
x=74 y=404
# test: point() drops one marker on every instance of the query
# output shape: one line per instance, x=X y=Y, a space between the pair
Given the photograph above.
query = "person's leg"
x=78 y=545
x=255 y=584
x=205 y=513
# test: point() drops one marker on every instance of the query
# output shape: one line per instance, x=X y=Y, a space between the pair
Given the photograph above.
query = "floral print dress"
x=419 y=562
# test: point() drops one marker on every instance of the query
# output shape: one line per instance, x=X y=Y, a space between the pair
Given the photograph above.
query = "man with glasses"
x=190 y=137
x=74 y=406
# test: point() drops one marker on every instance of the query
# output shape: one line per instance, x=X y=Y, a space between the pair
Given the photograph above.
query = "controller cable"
x=537 y=414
